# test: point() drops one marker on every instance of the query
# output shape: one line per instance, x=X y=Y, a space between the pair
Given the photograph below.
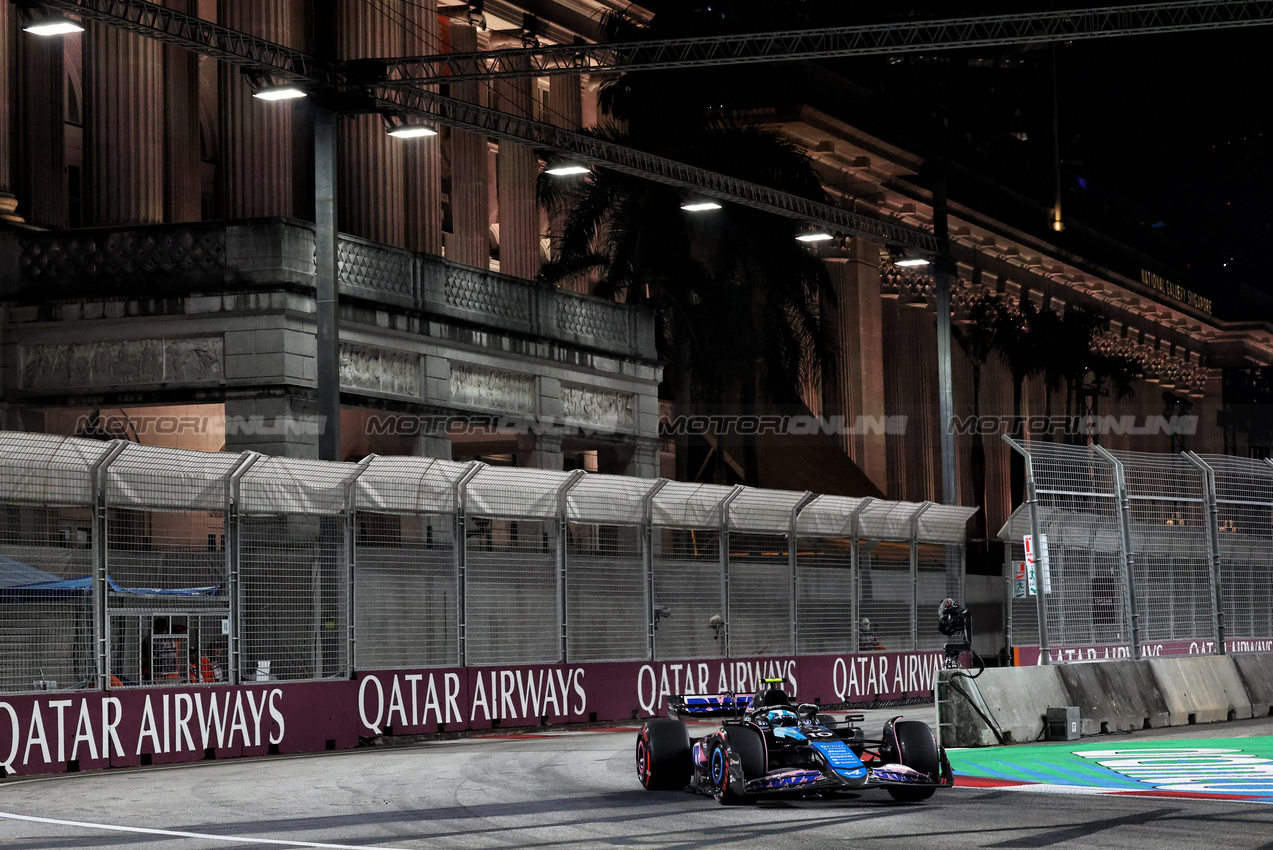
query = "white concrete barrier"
x=1014 y=699
x=1201 y=689
x=1112 y=696
x=1256 y=670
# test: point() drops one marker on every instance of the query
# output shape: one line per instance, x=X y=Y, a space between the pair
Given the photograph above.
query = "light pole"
x=326 y=289
x=943 y=270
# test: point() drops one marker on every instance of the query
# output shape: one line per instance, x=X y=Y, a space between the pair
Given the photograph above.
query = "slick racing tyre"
x=917 y=750
x=749 y=746
x=916 y=747
x=663 y=755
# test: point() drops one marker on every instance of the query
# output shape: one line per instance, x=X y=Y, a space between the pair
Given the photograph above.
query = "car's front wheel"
x=915 y=748
x=749 y=746
x=722 y=783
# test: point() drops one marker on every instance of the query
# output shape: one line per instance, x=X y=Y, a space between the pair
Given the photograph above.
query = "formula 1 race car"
x=769 y=747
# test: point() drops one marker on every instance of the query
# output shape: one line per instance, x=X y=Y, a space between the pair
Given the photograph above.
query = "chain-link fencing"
x=49 y=560
x=124 y=565
x=1139 y=554
x=406 y=563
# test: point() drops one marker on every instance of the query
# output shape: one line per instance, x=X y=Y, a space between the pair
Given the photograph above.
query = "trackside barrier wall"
x=1009 y=704
x=1147 y=555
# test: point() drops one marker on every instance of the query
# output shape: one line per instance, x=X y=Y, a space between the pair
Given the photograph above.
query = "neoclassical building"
x=157 y=273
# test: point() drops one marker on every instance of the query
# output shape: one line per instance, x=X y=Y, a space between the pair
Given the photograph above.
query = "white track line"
x=207 y=837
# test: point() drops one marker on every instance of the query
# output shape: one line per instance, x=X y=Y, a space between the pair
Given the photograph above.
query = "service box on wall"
x=1063 y=723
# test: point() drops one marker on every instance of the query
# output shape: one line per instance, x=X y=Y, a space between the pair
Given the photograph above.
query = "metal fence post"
x=1008 y=597
x=232 y=535
x=1129 y=557
x=351 y=554
x=792 y=535
x=724 y=566
x=914 y=562
x=101 y=629
x=647 y=558
x=562 y=535
x=855 y=576
x=1040 y=598
x=461 y=544
x=1211 y=500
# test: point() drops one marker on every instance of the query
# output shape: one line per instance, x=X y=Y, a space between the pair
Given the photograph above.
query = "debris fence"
x=1145 y=554
x=124 y=565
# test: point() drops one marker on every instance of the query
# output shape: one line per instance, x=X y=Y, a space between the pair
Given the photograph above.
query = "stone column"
x=856 y=324
x=183 y=185
x=518 y=170
x=644 y=460
x=8 y=30
x=422 y=158
x=123 y=127
x=470 y=176
x=370 y=187
x=274 y=425
x=540 y=451
x=565 y=110
x=565 y=102
x=255 y=173
x=431 y=446
x=42 y=131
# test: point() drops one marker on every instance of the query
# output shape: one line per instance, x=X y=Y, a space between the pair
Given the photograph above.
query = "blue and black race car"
x=767 y=746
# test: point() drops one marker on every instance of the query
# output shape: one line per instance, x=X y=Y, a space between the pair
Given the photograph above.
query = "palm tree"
x=1021 y=347
x=1110 y=373
x=1073 y=358
x=977 y=335
x=1067 y=338
x=737 y=298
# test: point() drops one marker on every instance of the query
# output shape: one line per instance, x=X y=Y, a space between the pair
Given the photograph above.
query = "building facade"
x=157 y=275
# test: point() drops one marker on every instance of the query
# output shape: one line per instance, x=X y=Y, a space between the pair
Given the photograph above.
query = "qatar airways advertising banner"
x=87 y=730
x=1030 y=656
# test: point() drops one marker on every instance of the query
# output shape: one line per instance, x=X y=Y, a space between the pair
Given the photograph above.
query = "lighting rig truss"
x=833 y=42
x=398 y=84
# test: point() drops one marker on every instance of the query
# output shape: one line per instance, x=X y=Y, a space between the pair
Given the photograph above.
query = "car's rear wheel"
x=663 y=755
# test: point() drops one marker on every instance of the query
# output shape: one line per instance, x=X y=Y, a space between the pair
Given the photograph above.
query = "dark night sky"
x=1170 y=135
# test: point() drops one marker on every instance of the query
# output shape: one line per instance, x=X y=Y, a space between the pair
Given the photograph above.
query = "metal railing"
x=206 y=257
x=1141 y=554
x=137 y=566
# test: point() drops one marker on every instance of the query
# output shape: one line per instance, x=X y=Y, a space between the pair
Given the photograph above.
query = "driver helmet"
x=782 y=717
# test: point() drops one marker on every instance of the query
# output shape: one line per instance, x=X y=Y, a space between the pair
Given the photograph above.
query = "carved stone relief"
x=493 y=389
x=391 y=372
x=601 y=408
x=101 y=364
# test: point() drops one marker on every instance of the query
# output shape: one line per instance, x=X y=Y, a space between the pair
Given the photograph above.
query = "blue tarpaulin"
x=40 y=585
x=14 y=573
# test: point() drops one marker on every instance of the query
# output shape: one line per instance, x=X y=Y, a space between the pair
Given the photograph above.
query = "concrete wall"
x=1009 y=704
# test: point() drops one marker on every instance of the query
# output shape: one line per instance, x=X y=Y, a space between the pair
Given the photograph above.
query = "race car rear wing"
x=708 y=705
